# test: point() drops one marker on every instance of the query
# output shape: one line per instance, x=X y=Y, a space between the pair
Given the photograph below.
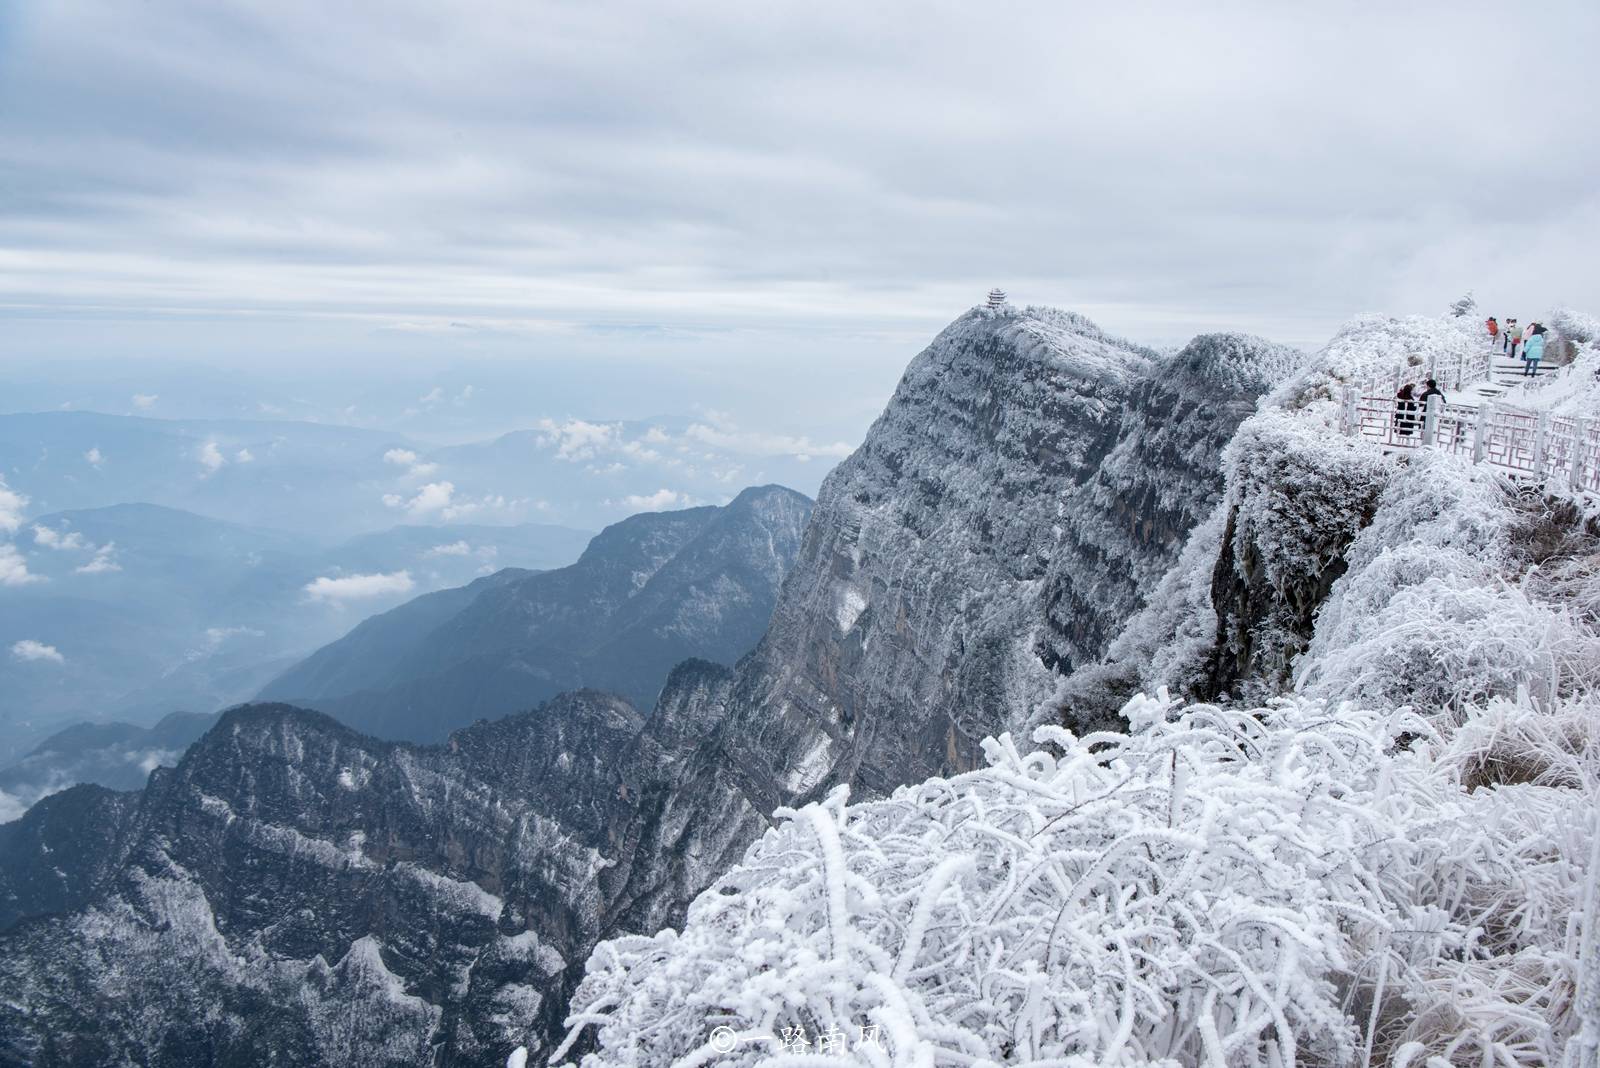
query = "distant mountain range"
x=115 y=755
x=329 y=483
x=134 y=611
x=650 y=591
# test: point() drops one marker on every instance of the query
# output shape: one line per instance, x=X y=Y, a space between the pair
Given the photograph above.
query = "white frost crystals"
x=1285 y=885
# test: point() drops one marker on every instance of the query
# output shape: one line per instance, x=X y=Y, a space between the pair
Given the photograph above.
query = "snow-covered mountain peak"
x=1236 y=362
x=987 y=345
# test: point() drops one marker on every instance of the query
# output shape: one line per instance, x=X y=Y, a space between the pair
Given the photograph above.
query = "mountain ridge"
x=913 y=620
x=648 y=592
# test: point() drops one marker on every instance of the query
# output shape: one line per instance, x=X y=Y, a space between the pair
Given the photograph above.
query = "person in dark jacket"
x=1433 y=390
x=1405 y=410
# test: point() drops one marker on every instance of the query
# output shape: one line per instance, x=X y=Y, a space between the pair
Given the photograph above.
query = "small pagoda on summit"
x=997 y=297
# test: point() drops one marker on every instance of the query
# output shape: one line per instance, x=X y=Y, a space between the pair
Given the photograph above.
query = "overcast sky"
x=797 y=193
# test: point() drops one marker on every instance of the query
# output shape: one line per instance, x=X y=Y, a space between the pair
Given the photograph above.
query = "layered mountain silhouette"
x=152 y=610
x=650 y=591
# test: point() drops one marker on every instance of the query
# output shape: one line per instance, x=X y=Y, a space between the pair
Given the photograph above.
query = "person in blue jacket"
x=1533 y=352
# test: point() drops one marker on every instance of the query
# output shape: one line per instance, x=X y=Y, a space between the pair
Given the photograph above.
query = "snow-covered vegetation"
x=1362 y=835
x=1461 y=589
x=1373 y=346
x=1300 y=883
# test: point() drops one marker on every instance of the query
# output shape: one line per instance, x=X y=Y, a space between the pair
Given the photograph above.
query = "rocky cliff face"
x=1029 y=482
x=297 y=888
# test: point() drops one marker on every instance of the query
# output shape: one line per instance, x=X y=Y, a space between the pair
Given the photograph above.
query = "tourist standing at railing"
x=1494 y=329
x=1513 y=337
x=1433 y=390
x=1533 y=351
x=1405 y=410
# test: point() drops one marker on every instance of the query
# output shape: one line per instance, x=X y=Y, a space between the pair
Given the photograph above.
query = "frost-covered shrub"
x=1237 y=363
x=1297 y=499
x=1372 y=347
x=1294 y=884
x=1435 y=611
x=1575 y=326
x=1300 y=498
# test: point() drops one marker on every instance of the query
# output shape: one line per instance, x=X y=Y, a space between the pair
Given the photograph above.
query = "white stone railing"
x=1523 y=443
x=1465 y=369
x=1450 y=374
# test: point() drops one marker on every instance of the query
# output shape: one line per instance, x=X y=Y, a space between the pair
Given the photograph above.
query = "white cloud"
x=434 y=497
x=331 y=590
x=215 y=636
x=659 y=500
x=95 y=457
x=465 y=395
x=14 y=568
x=104 y=561
x=59 y=540
x=11 y=807
x=28 y=650
x=414 y=464
x=640 y=451
x=432 y=397
x=144 y=401
x=489 y=502
x=211 y=457
x=455 y=548
x=728 y=437
x=575 y=439
x=907 y=177
x=439 y=499
x=12 y=505
x=243 y=456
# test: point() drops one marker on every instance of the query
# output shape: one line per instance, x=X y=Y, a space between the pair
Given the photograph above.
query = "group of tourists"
x=1411 y=406
x=1510 y=336
x=1408 y=405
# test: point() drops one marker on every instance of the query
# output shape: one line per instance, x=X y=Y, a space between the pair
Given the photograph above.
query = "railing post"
x=1430 y=420
x=1580 y=436
x=1488 y=366
x=1349 y=416
x=1541 y=446
x=1485 y=413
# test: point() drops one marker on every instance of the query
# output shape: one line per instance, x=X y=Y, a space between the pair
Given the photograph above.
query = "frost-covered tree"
x=1464 y=306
